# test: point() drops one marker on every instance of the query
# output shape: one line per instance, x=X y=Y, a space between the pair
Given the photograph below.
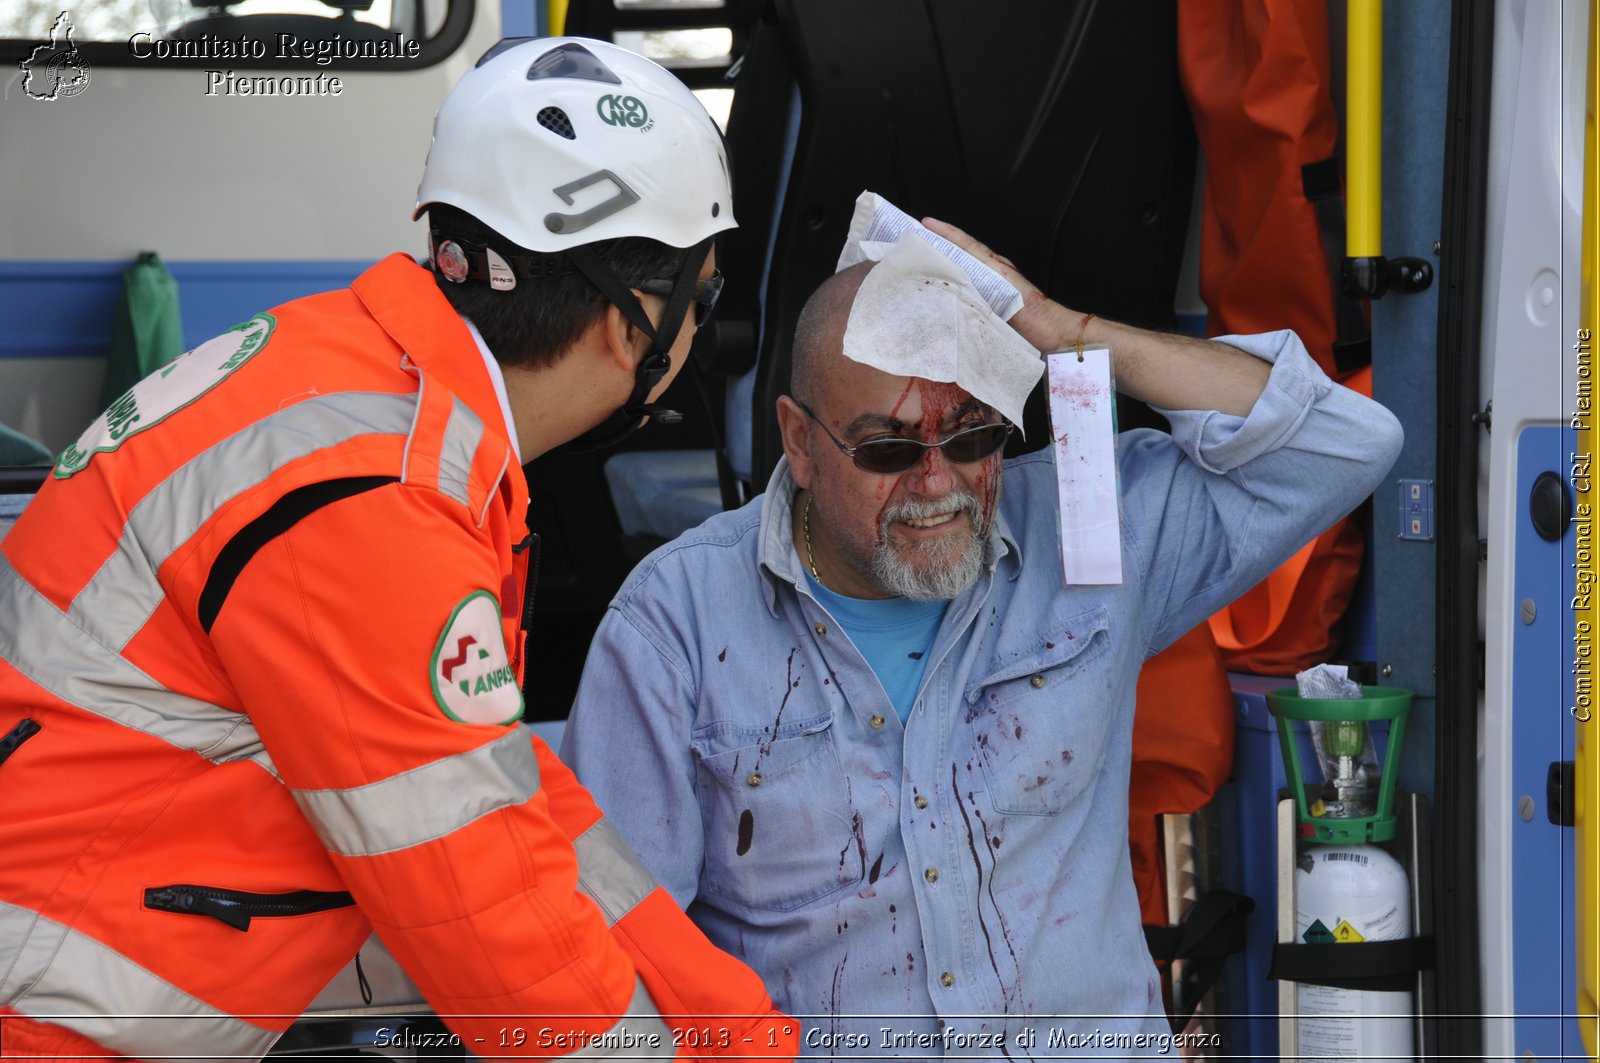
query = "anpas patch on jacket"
x=472 y=678
x=166 y=391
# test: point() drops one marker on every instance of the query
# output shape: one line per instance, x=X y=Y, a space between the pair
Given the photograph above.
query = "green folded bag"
x=148 y=332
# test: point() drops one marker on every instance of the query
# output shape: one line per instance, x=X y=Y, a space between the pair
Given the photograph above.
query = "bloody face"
x=918 y=533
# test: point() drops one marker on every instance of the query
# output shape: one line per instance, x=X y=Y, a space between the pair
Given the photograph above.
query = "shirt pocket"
x=1039 y=719
x=779 y=829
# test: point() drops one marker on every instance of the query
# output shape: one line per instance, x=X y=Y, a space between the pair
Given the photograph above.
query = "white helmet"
x=561 y=141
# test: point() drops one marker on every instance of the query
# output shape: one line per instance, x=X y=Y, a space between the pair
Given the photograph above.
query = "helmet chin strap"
x=657 y=361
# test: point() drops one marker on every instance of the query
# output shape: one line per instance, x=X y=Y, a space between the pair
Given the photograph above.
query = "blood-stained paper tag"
x=1083 y=429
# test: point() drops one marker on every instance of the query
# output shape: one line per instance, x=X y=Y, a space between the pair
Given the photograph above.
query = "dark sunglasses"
x=893 y=454
x=706 y=292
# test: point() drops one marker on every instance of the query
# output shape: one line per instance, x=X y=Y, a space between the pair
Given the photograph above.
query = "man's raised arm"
x=1170 y=371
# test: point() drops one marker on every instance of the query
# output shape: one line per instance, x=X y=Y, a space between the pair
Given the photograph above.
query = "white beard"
x=946 y=567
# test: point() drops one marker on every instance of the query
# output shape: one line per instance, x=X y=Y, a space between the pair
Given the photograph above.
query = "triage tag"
x=1083 y=430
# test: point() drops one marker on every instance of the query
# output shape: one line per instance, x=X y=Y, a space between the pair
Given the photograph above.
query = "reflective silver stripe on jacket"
x=462 y=434
x=610 y=873
x=426 y=802
x=416 y=414
x=61 y=976
x=372 y=978
x=639 y=1034
x=489 y=496
x=118 y=601
x=44 y=644
x=75 y=655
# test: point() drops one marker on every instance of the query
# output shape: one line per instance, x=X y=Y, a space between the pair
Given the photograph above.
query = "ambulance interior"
x=1160 y=163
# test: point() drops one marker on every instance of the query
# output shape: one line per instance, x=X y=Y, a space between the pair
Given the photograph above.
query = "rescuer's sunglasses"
x=704 y=297
x=892 y=454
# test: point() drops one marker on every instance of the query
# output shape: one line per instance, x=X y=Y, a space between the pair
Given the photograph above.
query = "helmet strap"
x=657 y=361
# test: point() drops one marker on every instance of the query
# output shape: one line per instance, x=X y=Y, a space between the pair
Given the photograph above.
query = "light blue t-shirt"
x=893 y=634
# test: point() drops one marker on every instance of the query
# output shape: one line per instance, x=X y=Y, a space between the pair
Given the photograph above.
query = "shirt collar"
x=780 y=561
x=497 y=377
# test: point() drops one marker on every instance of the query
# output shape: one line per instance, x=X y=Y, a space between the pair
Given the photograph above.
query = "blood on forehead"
x=941 y=402
x=901 y=401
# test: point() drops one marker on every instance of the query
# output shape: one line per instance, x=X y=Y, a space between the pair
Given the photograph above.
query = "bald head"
x=819 y=334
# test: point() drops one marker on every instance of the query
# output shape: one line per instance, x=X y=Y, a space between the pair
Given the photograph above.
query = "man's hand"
x=1042 y=321
x=1170 y=371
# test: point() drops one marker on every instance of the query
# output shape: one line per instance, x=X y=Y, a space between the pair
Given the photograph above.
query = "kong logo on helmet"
x=627 y=111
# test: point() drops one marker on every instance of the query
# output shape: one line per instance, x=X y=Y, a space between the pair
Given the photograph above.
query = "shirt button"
x=876 y=721
x=753 y=779
x=932 y=875
x=822 y=629
x=920 y=801
x=1037 y=681
x=947 y=979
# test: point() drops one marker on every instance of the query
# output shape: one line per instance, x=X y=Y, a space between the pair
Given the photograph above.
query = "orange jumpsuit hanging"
x=260 y=666
x=1257 y=78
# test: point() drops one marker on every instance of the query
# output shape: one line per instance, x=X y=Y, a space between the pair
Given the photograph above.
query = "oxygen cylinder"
x=1348 y=894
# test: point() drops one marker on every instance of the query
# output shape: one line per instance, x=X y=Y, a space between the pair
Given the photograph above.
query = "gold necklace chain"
x=805 y=526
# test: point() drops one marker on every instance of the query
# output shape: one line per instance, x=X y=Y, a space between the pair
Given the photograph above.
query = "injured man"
x=864 y=731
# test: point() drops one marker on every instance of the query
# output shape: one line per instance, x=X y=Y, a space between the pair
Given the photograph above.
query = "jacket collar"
x=406 y=303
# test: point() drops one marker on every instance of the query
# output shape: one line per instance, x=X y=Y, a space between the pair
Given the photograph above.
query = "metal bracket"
x=1558 y=787
x=564 y=224
x=1373 y=276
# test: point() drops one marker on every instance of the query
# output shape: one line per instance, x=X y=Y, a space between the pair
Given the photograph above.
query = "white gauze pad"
x=917 y=314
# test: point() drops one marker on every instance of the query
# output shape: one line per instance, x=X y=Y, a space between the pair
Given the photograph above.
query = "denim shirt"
x=963 y=880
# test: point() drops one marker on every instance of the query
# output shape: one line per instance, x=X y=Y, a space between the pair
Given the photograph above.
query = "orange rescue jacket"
x=260 y=655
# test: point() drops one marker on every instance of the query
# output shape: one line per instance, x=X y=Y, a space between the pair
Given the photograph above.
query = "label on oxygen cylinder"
x=1347 y=894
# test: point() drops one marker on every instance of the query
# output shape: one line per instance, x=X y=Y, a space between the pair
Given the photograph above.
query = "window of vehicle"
x=682 y=50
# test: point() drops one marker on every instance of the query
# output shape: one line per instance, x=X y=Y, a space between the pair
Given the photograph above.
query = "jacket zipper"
x=530 y=579
x=237 y=908
x=16 y=736
x=527 y=554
